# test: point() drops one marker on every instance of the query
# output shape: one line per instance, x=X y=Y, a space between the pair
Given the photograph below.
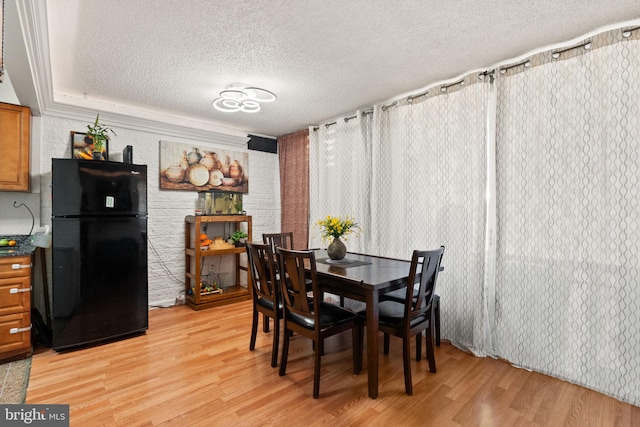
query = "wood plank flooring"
x=194 y=368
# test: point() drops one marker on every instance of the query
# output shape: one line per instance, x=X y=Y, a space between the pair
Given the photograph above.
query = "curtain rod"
x=444 y=88
x=526 y=64
x=346 y=119
x=556 y=53
x=410 y=98
x=627 y=33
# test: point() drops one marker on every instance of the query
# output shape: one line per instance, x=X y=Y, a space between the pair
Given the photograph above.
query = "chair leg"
x=285 y=351
x=316 y=370
x=419 y=346
x=431 y=357
x=265 y=323
x=406 y=359
x=436 y=315
x=254 y=330
x=276 y=342
x=386 y=343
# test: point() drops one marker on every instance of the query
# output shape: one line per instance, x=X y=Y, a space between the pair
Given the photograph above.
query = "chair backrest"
x=261 y=262
x=425 y=266
x=279 y=240
x=293 y=282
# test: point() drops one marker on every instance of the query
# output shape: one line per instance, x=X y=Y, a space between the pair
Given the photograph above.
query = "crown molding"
x=149 y=122
x=33 y=20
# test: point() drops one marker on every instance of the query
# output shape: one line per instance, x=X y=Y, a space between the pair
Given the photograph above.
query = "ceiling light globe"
x=235 y=94
x=226 y=105
x=250 y=106
x=259 y=94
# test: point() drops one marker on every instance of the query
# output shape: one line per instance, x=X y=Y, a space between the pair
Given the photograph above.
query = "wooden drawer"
x=15 y=334
x=15 y=306
x=15 y=266
x=15 y=295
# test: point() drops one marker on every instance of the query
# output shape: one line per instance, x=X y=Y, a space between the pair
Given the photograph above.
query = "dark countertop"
x=23 y=246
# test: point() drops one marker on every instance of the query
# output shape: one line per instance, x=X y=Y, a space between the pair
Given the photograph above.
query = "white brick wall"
x=167 y=209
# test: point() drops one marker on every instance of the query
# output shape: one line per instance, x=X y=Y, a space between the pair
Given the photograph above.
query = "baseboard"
x=162 y=304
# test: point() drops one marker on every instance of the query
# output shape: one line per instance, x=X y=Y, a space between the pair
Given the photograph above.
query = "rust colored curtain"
x=293 y=151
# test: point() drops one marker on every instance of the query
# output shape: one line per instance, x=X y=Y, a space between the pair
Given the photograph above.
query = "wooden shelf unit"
x=194 y=256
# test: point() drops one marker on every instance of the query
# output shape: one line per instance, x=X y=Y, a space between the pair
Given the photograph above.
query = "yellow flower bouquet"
x=334 y=226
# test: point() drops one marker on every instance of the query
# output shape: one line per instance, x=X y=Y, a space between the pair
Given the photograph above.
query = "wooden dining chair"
x=265 y=294
x=280 y=240
x=311 y=317
x=399 y=296
x=415 y=314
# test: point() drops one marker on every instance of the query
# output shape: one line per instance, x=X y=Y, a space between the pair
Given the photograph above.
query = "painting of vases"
x=200 y=168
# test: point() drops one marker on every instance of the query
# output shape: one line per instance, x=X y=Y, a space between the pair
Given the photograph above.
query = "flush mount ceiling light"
x=239 y=97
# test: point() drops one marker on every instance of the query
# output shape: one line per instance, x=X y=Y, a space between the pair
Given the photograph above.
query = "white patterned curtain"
x=568 y=209
x=428 y=189
x=531 y=184
x=339 y=176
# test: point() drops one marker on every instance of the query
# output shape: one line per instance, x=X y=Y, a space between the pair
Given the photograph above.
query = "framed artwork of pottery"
x=192 y=167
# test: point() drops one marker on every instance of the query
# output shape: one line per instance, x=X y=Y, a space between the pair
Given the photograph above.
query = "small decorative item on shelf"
x=210 y=284
x=98 y=134
x=205 y=241
x=337 y=227
x=208 y=290
x=220 y=243
x=239 y=237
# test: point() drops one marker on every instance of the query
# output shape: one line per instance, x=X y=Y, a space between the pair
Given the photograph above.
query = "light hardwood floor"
x=195 y=369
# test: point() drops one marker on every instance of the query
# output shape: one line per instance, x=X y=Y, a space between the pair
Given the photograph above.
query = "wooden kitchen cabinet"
x=15 y=307
x=15 y=121
x=195 y=256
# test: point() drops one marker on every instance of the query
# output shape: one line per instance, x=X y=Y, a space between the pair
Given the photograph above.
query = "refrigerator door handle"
x=19 y=266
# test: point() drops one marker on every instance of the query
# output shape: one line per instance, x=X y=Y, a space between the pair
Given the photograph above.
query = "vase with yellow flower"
x=336 y=228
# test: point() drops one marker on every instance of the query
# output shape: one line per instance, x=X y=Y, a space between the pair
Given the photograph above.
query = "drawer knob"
x=17 y=330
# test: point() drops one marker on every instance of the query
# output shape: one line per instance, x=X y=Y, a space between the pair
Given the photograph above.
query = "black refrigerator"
x=99 y=255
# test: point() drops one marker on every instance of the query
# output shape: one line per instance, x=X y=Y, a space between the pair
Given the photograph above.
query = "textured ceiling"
x=323 y=59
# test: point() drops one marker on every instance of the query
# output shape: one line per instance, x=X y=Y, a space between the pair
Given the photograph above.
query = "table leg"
x=372 y=343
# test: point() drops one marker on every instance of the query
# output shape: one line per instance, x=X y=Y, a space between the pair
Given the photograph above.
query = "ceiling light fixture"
x=240 y=97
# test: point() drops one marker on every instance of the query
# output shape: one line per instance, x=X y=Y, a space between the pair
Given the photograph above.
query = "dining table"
x=363 y=278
